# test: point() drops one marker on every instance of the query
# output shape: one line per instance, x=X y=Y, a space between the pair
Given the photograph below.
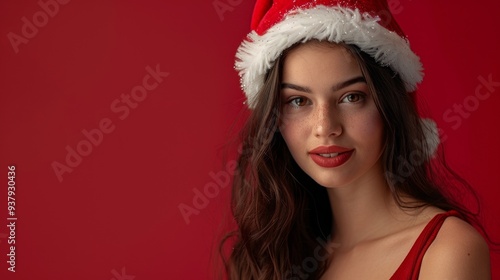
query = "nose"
x=327 y=122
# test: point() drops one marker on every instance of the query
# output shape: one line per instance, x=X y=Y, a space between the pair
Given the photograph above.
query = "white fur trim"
x=431 y=136
x=256 y=55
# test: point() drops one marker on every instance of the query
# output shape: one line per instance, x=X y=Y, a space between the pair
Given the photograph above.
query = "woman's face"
x=329 y=120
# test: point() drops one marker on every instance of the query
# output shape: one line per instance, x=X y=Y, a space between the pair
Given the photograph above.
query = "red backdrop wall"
x=115 y=115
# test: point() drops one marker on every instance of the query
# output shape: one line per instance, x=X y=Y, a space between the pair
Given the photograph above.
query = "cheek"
x=368 y=126
x=294 y=131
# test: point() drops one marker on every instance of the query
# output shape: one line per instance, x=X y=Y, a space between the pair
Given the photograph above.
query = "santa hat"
x=278 y=25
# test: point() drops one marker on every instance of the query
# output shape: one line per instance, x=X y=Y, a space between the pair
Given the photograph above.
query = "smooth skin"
x=327 y=102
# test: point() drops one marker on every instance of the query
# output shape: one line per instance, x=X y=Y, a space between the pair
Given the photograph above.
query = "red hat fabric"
x=268 y=13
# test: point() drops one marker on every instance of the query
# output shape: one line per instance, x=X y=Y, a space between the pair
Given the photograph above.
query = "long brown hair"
x=284 y=217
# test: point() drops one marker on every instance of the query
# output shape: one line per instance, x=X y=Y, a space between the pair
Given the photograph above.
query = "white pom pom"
x=431 y=136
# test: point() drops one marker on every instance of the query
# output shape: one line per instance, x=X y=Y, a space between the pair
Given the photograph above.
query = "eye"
x=353 y=98
x=298 y=101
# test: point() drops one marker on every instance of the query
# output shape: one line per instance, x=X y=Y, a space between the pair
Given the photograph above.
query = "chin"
x=330 y=181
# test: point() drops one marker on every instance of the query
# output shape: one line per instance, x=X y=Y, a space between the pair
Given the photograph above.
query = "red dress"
x=410 y=267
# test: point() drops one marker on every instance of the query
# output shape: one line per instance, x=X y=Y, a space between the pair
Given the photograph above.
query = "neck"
x=361 y=210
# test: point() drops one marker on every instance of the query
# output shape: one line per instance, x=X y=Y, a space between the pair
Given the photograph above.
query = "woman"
x=338 y=177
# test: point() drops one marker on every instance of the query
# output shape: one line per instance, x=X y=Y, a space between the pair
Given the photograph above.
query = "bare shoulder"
x=458 y=252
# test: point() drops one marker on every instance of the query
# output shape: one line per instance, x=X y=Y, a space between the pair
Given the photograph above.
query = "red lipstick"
x=330 y=156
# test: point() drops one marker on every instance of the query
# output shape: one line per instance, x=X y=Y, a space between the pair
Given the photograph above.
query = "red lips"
x=330 y=156
x=329 y=149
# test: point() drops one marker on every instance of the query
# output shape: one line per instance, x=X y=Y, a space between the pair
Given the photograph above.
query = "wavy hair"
x=284 y=217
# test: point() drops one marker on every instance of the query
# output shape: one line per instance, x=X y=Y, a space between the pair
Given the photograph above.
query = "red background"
x=118 y=208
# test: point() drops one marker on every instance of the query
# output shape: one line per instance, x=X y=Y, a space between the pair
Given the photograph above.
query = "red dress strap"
x=410 y=267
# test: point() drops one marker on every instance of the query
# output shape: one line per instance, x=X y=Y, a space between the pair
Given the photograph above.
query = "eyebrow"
x=336 y=87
